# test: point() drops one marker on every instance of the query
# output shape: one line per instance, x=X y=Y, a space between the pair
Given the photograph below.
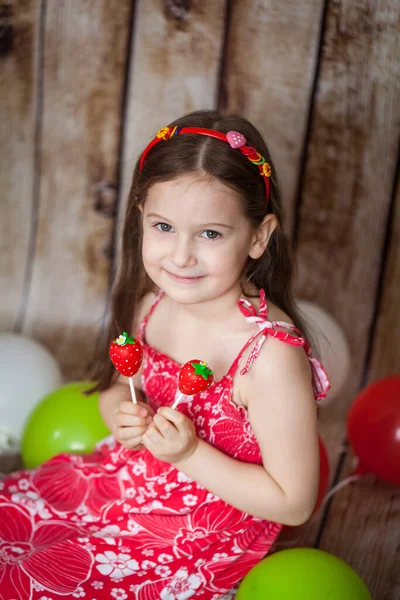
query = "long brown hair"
x=168 y=160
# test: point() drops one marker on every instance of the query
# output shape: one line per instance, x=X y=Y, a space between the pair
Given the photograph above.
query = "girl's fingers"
x=128 y=433
x=133 y=444
x=149 y=445
x=124 y=420
x=165 y=427
x=154 y=435
x=172 y=415
x=138 y=410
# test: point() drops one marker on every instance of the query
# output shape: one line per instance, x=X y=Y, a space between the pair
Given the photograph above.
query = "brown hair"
x=183 y=154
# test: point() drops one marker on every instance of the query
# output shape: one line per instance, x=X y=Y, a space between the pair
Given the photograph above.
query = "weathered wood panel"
x=85 y=49
x=345 y=204
x=271 y=55
x=347 y=194
x=19 y=36
x=363 y=521
x=174 y=70
x=385 y=358
x=363 y=529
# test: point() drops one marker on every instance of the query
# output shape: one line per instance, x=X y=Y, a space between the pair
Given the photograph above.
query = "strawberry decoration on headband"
x=235 y=139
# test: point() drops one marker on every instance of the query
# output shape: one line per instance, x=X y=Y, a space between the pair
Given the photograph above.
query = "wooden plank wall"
x=18 y=109
x=85 y=83
x=344 y=222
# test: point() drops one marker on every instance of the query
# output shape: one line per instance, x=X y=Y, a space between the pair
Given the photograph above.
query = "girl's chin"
x=186 y=294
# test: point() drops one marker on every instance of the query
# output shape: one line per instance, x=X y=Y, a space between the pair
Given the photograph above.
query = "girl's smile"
x=185 y=279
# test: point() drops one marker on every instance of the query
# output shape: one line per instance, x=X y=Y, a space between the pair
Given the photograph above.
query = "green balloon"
x=302 y=574
x=64 y=421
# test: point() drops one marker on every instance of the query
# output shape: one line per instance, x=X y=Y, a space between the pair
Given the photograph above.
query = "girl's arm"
x=278 y=393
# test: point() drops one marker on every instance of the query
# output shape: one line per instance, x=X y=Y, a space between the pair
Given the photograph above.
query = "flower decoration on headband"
x=235 y=139
x=163 y=133
x=266 y=170
x=166 y=132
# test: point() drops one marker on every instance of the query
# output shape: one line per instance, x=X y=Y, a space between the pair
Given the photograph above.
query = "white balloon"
x=27 y=373
x=332 y=345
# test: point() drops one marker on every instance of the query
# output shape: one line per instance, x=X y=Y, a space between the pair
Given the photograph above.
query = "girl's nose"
x=183 y=255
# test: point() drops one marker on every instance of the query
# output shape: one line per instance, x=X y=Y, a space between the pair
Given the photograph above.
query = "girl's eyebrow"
x=217 y=225
x=204 y=225
x=150 y=215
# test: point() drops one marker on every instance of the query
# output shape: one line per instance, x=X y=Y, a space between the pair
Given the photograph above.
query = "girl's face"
x=195 y=238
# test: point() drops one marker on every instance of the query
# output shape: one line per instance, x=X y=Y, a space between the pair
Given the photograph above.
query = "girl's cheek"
x=153 y=250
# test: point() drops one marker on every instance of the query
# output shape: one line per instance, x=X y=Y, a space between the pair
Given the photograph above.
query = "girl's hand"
x=131 y=421
x=171 y=437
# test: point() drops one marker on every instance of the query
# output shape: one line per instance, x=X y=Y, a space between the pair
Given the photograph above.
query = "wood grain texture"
x=348 y=178
x=270 y=64
x=85 y=49
x=20 y=24
x=385 y=357
x=363 y=521
x=174 y=70
x=363 y=529
x=342 y=227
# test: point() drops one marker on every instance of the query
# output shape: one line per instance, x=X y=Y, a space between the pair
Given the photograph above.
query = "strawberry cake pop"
x=126 y=354
x=194 y=377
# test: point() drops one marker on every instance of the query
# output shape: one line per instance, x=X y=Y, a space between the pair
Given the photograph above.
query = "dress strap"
x=143 y=324
x=320 y=381
x=265 y=328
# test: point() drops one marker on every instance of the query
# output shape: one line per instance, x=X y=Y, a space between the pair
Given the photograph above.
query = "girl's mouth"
x=184 y=279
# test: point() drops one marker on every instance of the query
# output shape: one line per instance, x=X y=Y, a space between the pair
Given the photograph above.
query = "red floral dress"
x=122 y=524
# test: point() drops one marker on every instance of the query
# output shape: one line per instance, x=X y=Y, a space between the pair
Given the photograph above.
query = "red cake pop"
x=126 y=354
x=194 y=377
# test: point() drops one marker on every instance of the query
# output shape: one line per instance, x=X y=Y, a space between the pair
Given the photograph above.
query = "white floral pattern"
x=181 y=586
x=123 y=525
x=117 y=566
x=119 y=594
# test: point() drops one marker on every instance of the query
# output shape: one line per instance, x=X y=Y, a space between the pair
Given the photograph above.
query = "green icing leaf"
x=202 y=369
x=128 y=339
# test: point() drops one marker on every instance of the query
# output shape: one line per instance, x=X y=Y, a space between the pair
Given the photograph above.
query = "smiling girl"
x=182 y=503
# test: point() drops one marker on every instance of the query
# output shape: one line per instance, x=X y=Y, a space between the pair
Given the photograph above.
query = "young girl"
x=183 y=502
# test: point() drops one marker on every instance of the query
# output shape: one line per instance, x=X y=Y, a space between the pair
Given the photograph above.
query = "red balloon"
x=373 y=429
x=324 y=473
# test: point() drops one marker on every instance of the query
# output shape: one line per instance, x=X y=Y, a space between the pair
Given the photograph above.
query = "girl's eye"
x=163 y=227
x=210 y=234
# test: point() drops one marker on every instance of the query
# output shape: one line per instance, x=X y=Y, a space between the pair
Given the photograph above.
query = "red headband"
x=235 y=139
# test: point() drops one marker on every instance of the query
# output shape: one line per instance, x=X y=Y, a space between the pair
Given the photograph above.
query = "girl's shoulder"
x=278 y=364
x=280 y=350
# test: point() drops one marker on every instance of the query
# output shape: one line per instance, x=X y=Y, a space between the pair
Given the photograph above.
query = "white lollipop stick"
x=133 y=393
x=179 y=396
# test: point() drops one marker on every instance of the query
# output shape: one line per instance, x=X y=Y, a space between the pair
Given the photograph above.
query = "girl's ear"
x=261 y=236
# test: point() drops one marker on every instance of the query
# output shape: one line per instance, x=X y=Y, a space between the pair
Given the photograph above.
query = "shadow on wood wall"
x=85 y=84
